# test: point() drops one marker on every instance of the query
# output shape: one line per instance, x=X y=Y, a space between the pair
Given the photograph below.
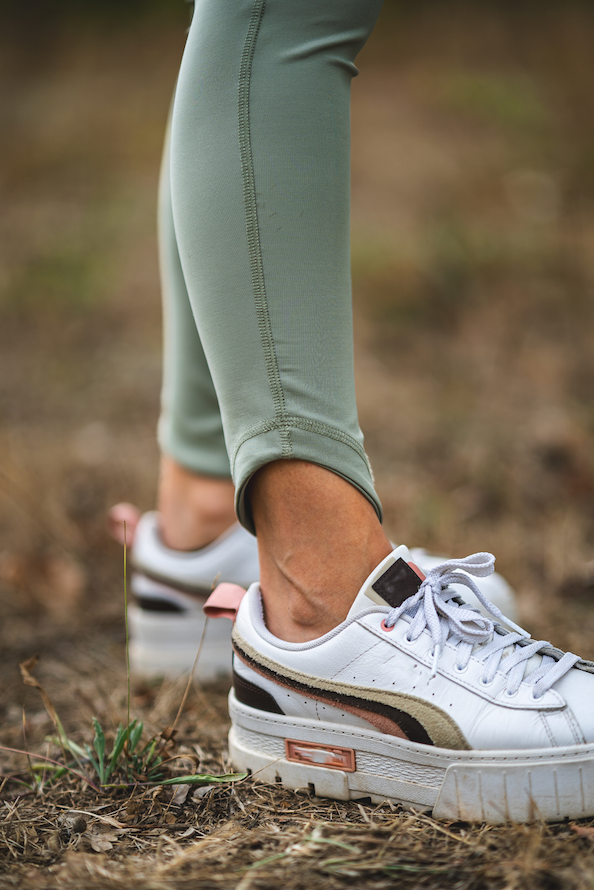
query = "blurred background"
x=473 y=229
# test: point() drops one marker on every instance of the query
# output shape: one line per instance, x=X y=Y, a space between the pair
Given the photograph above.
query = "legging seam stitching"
x=313 y=426
x=252 y=228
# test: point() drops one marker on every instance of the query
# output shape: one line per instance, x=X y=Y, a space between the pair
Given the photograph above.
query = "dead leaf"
x=29 y=680
x=168 y=743
x=100 y=844
x=583 y=831
x=105 y=819
x=102 y=841
x=168 y=733
x=180 y=794
x=53 y=842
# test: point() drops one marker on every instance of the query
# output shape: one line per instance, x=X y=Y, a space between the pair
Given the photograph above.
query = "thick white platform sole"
x=470 y=786
x=164 y=644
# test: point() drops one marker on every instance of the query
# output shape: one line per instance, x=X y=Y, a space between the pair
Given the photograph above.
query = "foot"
x=420 y=699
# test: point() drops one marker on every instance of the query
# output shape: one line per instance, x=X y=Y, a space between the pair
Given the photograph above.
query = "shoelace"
x=435 y=608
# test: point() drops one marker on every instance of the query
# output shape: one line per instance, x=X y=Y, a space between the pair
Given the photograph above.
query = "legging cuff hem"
x=332 y=454
x=202 y=459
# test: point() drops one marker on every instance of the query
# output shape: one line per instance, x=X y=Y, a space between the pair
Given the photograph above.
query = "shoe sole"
x=344 y=763
x=164 y=644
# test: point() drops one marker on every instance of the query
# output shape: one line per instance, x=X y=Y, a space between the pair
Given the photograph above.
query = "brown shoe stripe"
x=201 y=593
x=391 y=721
x=414 y=717
x=253 y=696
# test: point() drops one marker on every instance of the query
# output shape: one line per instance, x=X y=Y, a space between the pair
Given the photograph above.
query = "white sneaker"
x=418 y=698
x=169 y=589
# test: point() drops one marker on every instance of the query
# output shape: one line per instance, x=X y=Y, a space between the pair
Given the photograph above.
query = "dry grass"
x=249 y=834
x=278 y=839
x=473 y=219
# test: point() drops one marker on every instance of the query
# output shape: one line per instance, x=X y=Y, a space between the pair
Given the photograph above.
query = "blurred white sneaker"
x=169 y=589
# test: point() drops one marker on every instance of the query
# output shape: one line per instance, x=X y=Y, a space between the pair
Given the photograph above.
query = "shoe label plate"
x=398 y=583
x=328 y=756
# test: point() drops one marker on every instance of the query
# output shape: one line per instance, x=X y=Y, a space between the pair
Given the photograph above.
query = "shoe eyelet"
x=460 y=670
x=511 y=694
x=385 y=627
x=407 y=639
x=484 y=682
x=536 y=697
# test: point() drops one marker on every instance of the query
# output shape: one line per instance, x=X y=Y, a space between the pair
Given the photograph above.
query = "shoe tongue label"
x=397 y=583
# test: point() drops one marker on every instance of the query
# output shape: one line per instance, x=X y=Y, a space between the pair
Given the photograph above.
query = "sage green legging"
x=254 y=241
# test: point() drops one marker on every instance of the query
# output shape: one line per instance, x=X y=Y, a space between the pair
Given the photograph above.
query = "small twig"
x=33 y=776
x=251 y=775
x=49 y=760
x=190 y=678
x=45 y=769
x=443 y=830
x=107 y=819
x=169 y=760
x=127 y=648
x=366 y=818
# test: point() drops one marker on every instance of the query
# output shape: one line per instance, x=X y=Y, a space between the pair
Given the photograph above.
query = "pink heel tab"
x=117 y=516
x=224 y=601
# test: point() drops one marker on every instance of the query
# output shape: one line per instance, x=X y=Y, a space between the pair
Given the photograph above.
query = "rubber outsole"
x=469 y=786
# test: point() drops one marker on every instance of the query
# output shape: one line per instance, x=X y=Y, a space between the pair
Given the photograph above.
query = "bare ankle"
x=194 y=510
x=319 y=538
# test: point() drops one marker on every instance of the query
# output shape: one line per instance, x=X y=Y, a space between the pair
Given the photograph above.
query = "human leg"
x=195 y=493
x=413 y=696
x=274 y=294
x=319 y=538
x=193 y=538
x=195 y=506
x=260 y=180
x=194 y=509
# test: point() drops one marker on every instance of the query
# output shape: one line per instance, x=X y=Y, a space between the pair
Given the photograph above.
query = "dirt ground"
x=473 y=271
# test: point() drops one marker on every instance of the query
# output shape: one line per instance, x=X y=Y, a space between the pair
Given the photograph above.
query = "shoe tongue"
x=390 y=583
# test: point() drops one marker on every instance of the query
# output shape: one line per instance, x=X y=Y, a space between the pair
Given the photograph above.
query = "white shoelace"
x=434 y=607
